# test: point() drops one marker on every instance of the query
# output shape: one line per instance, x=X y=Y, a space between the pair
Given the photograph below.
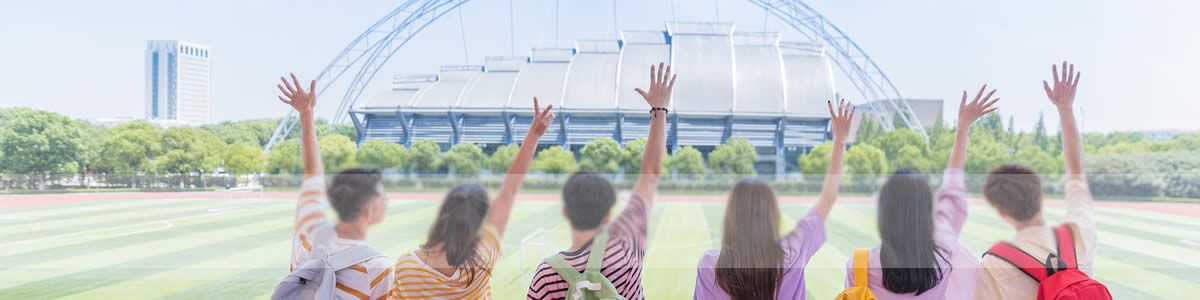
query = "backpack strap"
x=1020 y=259
x=596 y=258
x=352 y=256
x=562 y=267
x=861 y=259
x=1064 y=237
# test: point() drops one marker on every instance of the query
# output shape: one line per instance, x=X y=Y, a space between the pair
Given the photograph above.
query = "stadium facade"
x=748 y=85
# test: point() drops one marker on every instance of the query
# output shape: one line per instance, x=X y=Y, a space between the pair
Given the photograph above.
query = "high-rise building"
x=177 y=82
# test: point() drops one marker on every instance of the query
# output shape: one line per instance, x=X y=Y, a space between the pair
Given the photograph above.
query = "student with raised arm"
x=1015 y=192
x=754 y=262
x=605 y=258
x=356 y=196
x=919 y=255
x=463 y=245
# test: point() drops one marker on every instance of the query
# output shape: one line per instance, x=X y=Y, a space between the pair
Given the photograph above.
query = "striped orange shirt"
x=368 y=280
x=417 y=280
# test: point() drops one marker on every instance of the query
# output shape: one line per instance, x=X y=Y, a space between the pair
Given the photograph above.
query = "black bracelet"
x=653 y=109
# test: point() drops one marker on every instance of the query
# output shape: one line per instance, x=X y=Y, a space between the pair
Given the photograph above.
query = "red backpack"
x=1059 y=277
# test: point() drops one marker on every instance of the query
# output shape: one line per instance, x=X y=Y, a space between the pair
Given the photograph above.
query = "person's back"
x=624 y=253
x=369 y=278
x=463 y=244
x=356 y=196
x=588 y=198
x=1016 y=194
x=754 y=262
x=920 y=256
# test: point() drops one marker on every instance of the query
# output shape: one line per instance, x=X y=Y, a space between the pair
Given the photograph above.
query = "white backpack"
x=315 y=279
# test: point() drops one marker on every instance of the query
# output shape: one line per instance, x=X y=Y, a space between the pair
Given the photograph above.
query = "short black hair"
x=587 y=199
x=351 y=190
x=1015 y=190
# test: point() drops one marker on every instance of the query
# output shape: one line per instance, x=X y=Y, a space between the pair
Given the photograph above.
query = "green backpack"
x=591 y=284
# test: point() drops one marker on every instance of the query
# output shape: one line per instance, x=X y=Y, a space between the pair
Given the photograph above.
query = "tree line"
x=40 y=149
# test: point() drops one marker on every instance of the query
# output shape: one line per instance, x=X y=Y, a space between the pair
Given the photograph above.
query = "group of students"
x=919 y=257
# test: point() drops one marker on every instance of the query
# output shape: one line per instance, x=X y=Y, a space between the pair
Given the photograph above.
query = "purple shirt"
x=949 y=216
x=798 y=246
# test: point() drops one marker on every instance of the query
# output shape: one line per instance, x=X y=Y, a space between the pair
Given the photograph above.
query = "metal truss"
x=371 y=50
x=868 y=78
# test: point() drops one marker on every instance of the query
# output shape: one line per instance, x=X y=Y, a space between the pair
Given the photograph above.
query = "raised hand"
x=295 y=96
x=841 y=119
x=541 y=119
x=1062 y=93
x=659 y=95
x=969 y=112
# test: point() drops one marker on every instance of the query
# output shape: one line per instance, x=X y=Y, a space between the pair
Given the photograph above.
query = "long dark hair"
x=457 y=226
x=751 y=262
x=912 y=260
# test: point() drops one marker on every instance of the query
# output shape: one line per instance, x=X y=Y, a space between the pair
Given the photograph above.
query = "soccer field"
x=238 y=248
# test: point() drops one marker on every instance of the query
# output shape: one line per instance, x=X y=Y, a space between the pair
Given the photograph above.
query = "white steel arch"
x=371 y=50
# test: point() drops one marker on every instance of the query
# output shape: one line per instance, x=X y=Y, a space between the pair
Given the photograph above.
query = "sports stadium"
x=764 y=87
x=747 y=85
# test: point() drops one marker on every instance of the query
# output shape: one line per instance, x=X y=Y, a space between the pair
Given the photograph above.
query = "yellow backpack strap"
x=861 y=257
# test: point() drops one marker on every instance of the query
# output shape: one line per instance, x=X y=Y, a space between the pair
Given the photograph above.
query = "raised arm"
x=310 y=207
x=501 y=207
x=658 y=97
x=968 y=113
x=1062 y=94
x=833 y=175
x=951 y=210
x=304 y=102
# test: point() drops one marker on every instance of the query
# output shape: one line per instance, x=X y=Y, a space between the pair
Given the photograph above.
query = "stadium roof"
x=722 y=72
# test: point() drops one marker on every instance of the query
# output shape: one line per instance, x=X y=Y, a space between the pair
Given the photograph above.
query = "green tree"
x=985 y=154
x=465 y=159
x=865 y=162
x=1120 y=147
x=992 y=125
x=243 y=159
x=201 y=151
x=502 y=158
x=188 y=150
x=424 y=157
x=868 y=129
x=337 y=152
x=1188 y=141
x=93 y=137
x=1039 y=133
x=380 y=154
x=284 y=158
x=1165 y=146
x=129 y=150
x=555 y=160
x=816 y=162
x=631 y=156
x=601 y=155
x=736 y=156
x=909 y=156
x=1040 y=160
x=904 y=148
x=251 y=132
x=39 y=143
x=687 y=161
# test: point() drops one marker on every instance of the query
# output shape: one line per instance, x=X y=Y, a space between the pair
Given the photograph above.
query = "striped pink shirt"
x=622 y=259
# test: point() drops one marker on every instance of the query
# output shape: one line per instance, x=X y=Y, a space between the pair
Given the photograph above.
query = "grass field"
x=238 y=248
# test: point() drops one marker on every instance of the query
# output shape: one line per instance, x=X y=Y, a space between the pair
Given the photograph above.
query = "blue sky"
x=85 y=58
